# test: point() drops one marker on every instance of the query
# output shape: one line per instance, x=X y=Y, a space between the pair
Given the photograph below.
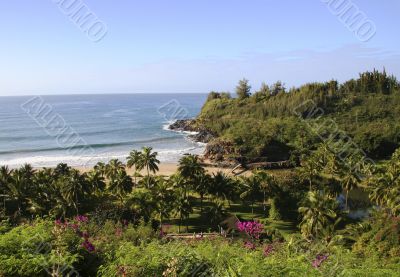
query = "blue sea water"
x=83 y=129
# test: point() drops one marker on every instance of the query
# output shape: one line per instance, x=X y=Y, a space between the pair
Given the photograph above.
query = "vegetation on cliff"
x=274 y=123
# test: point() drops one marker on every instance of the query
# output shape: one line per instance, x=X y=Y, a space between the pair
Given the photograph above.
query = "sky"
x=182 y=46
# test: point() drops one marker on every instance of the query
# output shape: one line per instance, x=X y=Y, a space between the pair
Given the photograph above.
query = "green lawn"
x=243 y=211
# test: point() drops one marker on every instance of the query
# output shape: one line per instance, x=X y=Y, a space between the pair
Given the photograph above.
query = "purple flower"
x=319 y=259
x=268 y=250
x=85 y=235
x=251 y=228
x=74 y=226
x=249 y=245
x=88 y=245
x=81 y=218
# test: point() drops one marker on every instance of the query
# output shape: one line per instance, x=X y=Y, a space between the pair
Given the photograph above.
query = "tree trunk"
x=201 y=203
x=264 y=202
x=180 y=223
x=148 y=177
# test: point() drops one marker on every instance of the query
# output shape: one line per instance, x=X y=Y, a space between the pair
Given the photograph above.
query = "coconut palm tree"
x=190 y=167
x=349 y=176
x=133 y=158
x=319 y=213
x=148 y=160
x=113 y=167
x=183 y=207
x=62 y=169
x=141 y=201
x=5 y=177
x=163 y=198
x=222 y=187
x=19 y=187
x=202 y=187
x=267 y=185
x=100 y=167
x=95 y=181
x=384 y=186
x=309 y=171
x=121 y=184
x=40 y=201
x=72 y=188
x=216 y=212
x=250 y=189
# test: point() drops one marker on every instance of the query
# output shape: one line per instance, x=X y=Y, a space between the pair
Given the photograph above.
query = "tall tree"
x=95 y=181
x=250 y=190
x=112 y=168
x=72 y=188
x=121 y=184
x=148 y=160
x=243 y=89
x=163 y=196
x=267 y=185
x=319 y=213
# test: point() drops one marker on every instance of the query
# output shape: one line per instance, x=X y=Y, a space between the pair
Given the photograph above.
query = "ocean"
x=81 y=130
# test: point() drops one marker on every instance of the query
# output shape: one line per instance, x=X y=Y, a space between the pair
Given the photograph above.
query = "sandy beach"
x=167 y=169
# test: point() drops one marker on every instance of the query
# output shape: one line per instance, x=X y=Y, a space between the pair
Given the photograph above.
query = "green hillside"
x=276 y=124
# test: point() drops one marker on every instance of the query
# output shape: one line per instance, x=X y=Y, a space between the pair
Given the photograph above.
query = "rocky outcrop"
x=184 y=125
x=190 y=125
x=219 y=150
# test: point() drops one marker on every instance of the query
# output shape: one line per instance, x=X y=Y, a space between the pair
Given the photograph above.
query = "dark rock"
x=220 y=150
x=190 y=125
x=186 y=125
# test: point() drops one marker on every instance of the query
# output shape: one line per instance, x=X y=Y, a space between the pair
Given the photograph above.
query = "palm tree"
x=190 y=167
x=319 y=213
x=216 y=212
x=28 y=171
x=183 y=208
x=163 y=195
x=19 y=187
x=62 y=169
x=40 y=201
x=112 y=168
x=350 y=177
x=202 y=187
x=309 y=171
x=267 y=185
x=132 y=161
x=140 y=200
x=250 y=189
x=133 y=158
x=148 y=160
x=222 y=187
x=121 y=184
x=100 y=167
x=96 y=181
x=384 y=187
x=72 y=188
x=5 y=177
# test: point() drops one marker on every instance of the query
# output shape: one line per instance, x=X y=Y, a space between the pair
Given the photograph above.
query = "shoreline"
x=167 y=169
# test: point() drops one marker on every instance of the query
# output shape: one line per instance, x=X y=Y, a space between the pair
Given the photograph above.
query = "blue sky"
x=188 y=46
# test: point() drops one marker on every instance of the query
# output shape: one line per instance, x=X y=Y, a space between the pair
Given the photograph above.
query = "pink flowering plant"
x=77 y=226
x=319 y=259
x=253 y=229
